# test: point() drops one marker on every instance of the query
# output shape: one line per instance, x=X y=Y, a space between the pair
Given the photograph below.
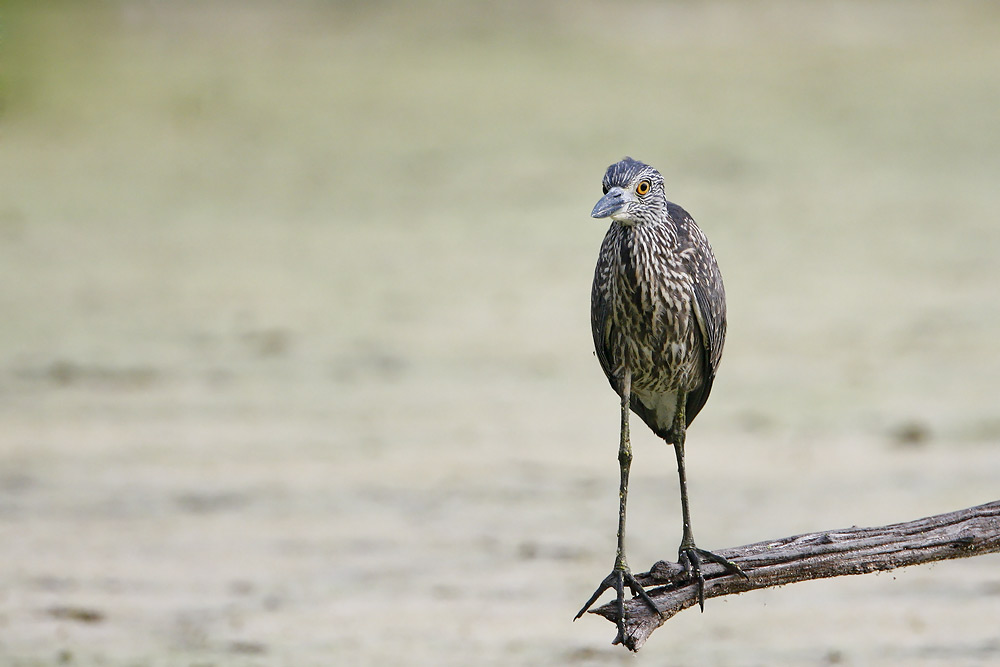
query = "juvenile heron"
x=658 y=314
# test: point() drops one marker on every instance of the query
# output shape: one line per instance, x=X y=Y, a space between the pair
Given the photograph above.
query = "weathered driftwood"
x=831 y=553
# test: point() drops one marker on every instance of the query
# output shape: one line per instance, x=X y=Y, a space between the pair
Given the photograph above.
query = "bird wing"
x=602 y=327
x=709 y=302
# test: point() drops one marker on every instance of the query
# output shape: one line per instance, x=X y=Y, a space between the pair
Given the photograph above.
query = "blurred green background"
x=295 y=359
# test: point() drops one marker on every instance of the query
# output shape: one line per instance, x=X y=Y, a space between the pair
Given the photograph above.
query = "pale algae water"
x=295 y=357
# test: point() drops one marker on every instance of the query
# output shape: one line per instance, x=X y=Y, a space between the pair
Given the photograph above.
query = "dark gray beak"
x=609 y=204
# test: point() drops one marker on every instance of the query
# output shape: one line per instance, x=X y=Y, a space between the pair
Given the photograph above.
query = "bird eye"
x=643 y=187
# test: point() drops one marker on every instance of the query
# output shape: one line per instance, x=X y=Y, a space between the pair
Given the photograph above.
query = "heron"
x=658 y=316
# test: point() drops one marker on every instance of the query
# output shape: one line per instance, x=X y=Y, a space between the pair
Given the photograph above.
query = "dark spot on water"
x=78 y=614
x=205 y=503
x=248 y=648
x=911 y=434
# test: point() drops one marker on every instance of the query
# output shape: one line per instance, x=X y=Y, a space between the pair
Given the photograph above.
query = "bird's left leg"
x=621 y=576
x=689 y=555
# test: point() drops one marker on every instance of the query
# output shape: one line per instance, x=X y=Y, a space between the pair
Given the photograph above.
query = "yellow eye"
x=643 y=187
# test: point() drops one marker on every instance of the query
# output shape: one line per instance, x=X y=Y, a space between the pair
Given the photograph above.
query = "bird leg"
x=689 y=555
x=621 y=576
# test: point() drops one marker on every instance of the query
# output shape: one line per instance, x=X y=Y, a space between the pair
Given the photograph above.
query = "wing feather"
x=709 y=303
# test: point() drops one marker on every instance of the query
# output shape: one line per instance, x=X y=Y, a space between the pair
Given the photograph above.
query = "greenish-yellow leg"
x=688 y=554
x=621 y=576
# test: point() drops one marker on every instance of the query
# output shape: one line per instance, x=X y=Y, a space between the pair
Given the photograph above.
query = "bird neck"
x=648 y=232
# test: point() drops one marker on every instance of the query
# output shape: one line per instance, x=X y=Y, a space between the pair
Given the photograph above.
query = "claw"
x=690 y=558
x=692 y=565
x=618 y=580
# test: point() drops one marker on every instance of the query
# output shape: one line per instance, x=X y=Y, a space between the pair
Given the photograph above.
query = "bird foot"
x=618 y=580
x=691 y=558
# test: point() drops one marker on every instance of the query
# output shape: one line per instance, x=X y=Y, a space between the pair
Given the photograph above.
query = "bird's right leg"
x=621 y=576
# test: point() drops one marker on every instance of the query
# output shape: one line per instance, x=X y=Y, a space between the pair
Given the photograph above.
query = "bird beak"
x=609 y=204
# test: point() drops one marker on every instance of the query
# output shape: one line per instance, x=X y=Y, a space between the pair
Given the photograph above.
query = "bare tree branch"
x=833 y=553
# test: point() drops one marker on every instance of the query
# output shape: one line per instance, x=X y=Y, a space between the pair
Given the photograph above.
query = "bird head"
x=633 y=193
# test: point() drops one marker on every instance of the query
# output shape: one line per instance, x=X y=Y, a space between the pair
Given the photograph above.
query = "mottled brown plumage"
x=658 y=315
x=658 y=300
